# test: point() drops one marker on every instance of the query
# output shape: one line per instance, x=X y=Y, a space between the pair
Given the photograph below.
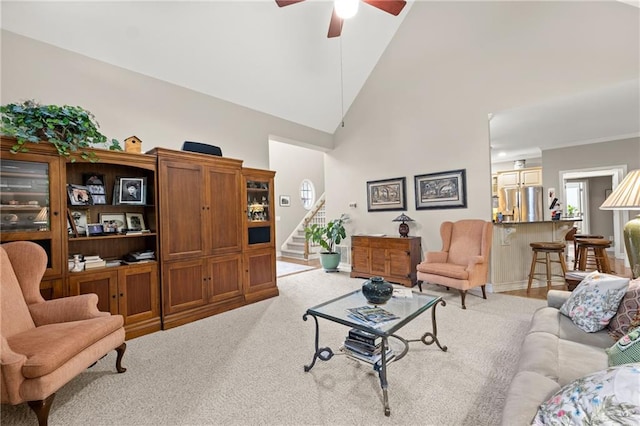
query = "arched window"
x=307 y=194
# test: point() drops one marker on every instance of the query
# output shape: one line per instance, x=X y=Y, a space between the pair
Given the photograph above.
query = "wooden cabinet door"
x=184 y=285
x=360 y=259
x=260 y=270
x=138 y=293
x=225 y=277
x=399 y=263
x=223 y=211
x=182 y=207
x=379 y=264
x=103 y=283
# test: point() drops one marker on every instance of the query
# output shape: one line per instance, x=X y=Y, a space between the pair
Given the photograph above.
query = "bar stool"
x=598 y=258
x=576 y=240
x=547 y=248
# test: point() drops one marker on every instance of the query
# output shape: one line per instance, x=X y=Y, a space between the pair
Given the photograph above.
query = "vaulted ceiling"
x=280 y=61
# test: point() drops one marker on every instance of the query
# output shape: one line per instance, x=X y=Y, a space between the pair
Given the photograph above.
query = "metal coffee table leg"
x=325 y=354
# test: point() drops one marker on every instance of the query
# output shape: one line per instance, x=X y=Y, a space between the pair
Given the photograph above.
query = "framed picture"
x=78 y=195
x=135 y=221
x=285 y=200
x=444 y=190
x=113 y=222
x=79 y=222
x=388 y=194
x=94 y=229
x=131 y=190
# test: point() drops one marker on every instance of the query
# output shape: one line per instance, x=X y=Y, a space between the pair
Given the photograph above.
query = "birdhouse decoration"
x=133 y=144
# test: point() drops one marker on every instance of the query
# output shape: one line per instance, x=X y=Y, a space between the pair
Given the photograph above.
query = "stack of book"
x=365 y=346
x=91 y=262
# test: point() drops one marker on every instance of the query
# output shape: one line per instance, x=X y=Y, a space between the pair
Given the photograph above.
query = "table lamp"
x=626 y=196
x=404 y=228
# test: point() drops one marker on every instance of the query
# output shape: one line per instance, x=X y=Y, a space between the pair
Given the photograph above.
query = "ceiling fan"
x=393 y=7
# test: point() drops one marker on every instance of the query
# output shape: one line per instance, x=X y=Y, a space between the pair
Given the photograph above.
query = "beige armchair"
x=463 y=262
x=45 y=344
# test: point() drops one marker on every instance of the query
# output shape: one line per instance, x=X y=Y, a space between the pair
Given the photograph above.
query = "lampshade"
x=626 y=196
x=402 y=218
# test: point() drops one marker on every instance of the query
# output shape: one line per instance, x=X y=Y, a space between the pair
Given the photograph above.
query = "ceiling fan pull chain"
x=341 y=88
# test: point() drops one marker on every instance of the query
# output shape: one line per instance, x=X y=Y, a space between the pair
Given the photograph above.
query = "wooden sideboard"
x=393 y=258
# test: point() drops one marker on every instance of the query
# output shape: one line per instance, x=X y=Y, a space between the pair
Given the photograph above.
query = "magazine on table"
x=371 y=315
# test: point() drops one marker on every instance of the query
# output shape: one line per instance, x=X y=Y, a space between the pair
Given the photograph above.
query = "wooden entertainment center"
x=209 y=221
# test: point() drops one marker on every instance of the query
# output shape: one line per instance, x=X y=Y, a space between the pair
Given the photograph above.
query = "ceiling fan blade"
x=283 y=3
x=335 y=25
x=393 y=7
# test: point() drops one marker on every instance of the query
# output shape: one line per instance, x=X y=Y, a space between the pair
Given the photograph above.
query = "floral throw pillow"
x=607 y=397
x=595 y=301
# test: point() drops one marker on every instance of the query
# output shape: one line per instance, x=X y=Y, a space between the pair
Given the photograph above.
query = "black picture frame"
x=131 y=190
x=386 y=195
x=441 y=190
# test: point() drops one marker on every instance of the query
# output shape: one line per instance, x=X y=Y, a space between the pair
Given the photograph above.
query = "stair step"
x=294 y=254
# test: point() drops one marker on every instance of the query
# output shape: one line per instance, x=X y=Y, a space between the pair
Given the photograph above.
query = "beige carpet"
x=245 y=367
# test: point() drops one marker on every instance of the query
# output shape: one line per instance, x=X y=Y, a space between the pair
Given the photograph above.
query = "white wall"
x=424 y=108
x=293 y=164
x=127 y=103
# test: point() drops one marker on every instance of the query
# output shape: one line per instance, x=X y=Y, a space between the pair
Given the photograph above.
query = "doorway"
x=613 y=176
x=577 y=203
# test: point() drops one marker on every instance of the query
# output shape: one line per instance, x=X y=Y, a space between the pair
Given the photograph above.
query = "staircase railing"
x=312 y=217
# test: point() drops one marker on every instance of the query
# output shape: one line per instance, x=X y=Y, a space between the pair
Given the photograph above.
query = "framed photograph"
x=79 y=195
x=285 y=201
x=113 y=222
x=71 y=225
x=135 y=221
x=94 y=229
x=385 y=195
x=444 y=190
x=131 y=190
x=79 y=222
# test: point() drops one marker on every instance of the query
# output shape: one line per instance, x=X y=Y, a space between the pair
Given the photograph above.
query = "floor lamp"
x=626 y=196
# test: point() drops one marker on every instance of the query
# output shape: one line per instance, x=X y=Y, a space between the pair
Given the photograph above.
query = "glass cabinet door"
x=29 y=206
x=258 y=202
x=25 y=196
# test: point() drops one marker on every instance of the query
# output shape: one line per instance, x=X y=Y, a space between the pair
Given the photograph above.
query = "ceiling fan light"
x=346 y=8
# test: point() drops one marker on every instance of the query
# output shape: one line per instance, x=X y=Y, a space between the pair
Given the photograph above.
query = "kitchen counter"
x=511 y=253
x=539 y=221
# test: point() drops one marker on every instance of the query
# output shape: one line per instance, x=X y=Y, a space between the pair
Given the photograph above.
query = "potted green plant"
x=71 y=129
x=328 y=237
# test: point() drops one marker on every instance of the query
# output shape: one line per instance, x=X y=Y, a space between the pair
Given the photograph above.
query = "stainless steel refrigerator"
x=521 y=204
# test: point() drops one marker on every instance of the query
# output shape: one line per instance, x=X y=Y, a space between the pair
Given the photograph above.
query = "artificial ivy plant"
x=71 y=129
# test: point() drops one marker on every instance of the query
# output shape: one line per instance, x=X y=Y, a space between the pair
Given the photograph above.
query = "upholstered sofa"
x=556 y=352
x=45 y=344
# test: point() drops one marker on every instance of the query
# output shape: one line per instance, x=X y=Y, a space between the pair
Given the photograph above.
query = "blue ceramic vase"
x=377 y=291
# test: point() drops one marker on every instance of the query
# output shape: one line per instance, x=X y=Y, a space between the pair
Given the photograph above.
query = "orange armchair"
x=463 y=262
x=45 y=344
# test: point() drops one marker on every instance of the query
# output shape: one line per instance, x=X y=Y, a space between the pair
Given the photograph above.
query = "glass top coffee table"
x=405 y=308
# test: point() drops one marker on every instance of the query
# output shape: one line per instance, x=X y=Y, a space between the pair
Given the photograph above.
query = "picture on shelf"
x=79 y=222
x=95 y=184
x=113 y=222
x=135 y=221
x=94 y=229
x=131 y=190
x=98 y=199
x=78 y=195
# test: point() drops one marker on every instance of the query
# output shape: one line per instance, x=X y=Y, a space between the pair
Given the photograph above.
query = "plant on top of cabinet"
x=71 y=129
